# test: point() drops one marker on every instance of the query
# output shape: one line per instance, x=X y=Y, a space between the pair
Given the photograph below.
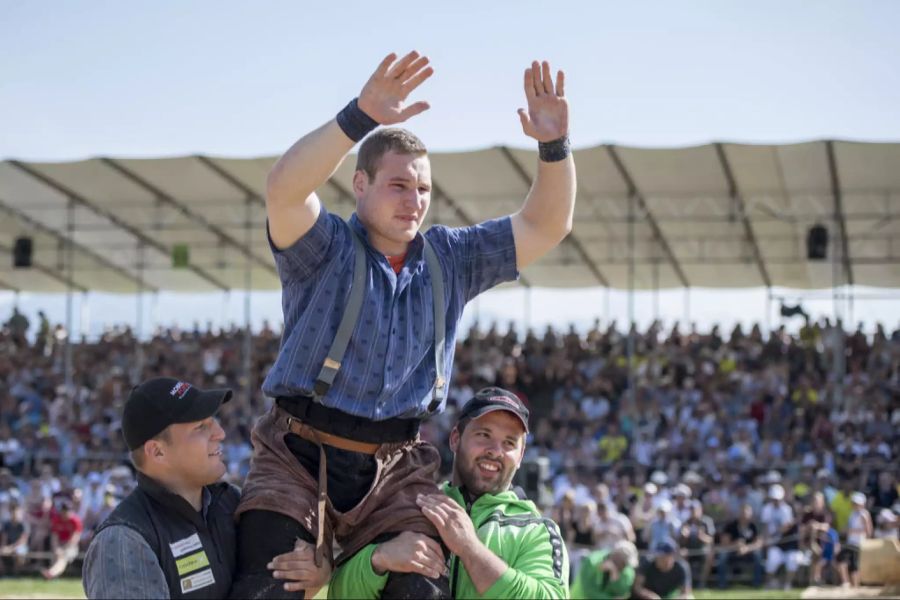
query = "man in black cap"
x=664 y=575
x=173 y=536
x=500 y=545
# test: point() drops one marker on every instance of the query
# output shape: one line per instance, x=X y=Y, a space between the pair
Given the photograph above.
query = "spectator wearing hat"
x=886 y=525
x=859 y=528
x=662 y=527
x=664 y=575
x=642 y=513
x=175 y=535
x=607 y=573
x=681 y=508
x=781 y=537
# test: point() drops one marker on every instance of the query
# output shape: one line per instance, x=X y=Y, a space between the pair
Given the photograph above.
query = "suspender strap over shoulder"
x=440 y=329
x=348 y=320
x=352 y=311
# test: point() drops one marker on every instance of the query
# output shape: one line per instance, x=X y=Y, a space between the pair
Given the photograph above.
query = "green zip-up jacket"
x=511 y=527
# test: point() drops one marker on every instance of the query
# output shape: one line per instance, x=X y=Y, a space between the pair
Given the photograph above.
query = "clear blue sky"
x=142 y=78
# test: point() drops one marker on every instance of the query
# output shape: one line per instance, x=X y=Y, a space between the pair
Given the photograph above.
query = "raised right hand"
x=384 y=96
x=410 y=553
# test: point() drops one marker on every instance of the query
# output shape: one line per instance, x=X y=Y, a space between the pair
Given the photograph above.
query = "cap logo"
x=503 y=400
x=181 y=388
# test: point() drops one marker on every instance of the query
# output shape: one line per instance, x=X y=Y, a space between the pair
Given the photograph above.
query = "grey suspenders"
x=332 y=362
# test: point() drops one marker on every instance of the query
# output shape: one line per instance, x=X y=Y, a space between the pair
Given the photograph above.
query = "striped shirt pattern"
x=388 y=370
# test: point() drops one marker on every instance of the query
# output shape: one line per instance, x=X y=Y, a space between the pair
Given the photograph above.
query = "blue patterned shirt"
x=388 y=370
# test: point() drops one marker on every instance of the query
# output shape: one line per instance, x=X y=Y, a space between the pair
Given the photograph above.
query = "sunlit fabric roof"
x=719 y=215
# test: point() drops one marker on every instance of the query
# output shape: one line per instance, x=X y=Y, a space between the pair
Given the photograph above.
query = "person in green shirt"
x=606 y=573
x=500 y=546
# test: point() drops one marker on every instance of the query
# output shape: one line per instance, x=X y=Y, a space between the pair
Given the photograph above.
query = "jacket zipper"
x=454 y=572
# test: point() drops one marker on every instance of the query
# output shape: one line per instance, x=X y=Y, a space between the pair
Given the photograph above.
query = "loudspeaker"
x=817 y=243
x=22 y=253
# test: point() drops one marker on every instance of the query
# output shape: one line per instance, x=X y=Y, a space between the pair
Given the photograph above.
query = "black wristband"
x=556 y=150
x=354 y=122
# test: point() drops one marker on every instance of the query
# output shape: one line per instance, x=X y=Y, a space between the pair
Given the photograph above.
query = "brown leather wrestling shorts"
x=277 y=482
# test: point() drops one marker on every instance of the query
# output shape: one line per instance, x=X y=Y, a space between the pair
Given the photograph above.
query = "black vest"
x=197 y=556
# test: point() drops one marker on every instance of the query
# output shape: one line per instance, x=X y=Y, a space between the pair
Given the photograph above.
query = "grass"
x=71 y=588
x=30 y=587
x=37 y=587
x=747 y=594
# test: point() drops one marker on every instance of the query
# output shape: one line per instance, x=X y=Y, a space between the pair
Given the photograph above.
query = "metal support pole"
x=655 y=290
x=838 y=359
x=606 y=309
x=768 y=311
x=527 y=308
x=138 y=372
x=248 y=289
x=84 y=316
x=687 y=307
x=631 y=277
x=70 y=267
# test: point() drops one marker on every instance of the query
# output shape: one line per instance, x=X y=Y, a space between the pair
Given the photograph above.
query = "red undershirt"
x=396 y=262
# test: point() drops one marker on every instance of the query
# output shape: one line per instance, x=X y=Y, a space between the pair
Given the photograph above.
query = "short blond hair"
x=382 y=141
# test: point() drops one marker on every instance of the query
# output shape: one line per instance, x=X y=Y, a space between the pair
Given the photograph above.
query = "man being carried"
x=339 y=454
x=501 y=545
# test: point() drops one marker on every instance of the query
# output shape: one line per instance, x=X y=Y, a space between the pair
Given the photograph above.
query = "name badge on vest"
x=193 y=558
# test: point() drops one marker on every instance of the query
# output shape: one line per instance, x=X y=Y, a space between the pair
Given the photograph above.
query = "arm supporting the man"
x=537 y=571
x=120 y=564
x=546 y=216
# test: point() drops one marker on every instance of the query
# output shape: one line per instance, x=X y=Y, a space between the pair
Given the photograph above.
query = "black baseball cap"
x=493 y=398
x=159 y=402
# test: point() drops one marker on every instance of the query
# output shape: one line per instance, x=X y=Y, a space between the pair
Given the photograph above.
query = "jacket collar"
x=174 y=502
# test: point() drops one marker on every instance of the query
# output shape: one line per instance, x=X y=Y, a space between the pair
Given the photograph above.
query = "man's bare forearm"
x=307 y=164
x=548 y=209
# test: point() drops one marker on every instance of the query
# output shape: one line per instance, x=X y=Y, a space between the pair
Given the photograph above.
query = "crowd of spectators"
x=763 y=453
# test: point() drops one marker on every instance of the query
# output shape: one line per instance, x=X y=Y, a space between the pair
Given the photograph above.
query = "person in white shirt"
x=643 y=511
x=611 y=527
x=859 y=527
x=781 y=533
x=682 y=509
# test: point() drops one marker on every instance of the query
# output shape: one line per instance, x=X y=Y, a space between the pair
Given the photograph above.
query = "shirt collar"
x=413 y=251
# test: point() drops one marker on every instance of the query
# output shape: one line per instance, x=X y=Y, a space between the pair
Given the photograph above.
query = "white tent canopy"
x=719 y=215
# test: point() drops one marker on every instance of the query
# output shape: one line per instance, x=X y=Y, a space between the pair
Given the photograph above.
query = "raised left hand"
x=298 y=567
x=450 y=519
x=547 y=116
